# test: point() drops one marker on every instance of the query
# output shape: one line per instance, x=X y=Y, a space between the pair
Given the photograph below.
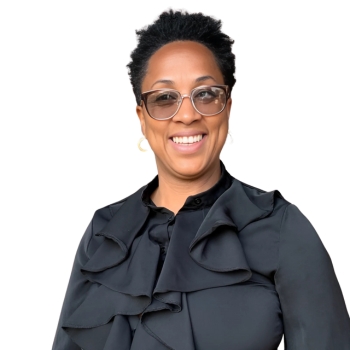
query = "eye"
x=167 y=96
x=205 y=95
x=162 y=98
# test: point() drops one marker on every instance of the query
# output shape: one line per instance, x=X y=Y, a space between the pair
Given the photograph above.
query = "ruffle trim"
x=125 y=264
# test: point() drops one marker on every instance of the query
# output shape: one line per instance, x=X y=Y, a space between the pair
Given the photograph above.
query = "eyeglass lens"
x=163 y=104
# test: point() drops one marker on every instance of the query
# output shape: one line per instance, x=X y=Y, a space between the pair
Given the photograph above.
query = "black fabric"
x=236 y=268
x=161 y=221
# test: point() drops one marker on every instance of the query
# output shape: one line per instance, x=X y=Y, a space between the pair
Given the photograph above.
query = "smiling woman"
x=178 y=157
x=197 y=259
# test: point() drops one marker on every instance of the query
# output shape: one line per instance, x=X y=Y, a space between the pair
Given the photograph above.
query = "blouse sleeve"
x=312 y=303
x=76 y=292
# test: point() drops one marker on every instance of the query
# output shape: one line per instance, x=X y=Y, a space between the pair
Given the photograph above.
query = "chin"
x=190 y=167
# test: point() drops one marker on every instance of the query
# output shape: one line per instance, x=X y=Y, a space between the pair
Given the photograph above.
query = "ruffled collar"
x=124 y=266
x=195 y=202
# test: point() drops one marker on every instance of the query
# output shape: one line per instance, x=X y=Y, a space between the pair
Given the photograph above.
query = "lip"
x=188 y=148
x=188 y=133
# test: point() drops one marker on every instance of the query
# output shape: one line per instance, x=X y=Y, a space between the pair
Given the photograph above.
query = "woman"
x=197 y=259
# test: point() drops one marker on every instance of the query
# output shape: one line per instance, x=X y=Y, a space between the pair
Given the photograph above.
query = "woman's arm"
x=78 y=288
x=313 y=306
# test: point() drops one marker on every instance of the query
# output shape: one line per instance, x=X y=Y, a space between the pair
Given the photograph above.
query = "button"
x=197 y=201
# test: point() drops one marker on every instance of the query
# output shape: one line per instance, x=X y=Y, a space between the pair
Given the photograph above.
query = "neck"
x=173 y=190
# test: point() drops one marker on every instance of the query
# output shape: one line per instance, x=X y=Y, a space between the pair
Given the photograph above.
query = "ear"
x=139 y=112
x=228 y=106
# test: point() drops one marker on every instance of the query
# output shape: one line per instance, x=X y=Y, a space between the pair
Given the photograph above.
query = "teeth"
x=187 y=140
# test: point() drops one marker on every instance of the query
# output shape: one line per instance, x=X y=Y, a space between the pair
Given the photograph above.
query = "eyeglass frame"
x=182 y=96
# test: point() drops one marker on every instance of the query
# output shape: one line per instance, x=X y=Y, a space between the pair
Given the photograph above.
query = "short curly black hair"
x=181 y=26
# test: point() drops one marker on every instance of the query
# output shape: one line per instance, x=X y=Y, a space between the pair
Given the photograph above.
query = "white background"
x=69 y=130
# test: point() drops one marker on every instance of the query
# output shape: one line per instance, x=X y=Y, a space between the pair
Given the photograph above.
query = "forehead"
x=181 y=62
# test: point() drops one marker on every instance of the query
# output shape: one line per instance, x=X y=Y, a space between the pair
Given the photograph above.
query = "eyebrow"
x=164 y=81
x=204 y=77
x=171 y=82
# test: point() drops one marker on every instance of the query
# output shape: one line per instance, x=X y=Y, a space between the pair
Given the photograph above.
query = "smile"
x=187 y=139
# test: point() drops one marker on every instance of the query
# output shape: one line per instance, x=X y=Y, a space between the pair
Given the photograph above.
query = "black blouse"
x=236 y=268
x=161 y=221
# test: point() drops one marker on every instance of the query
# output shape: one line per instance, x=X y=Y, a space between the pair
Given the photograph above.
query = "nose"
x=186 y=113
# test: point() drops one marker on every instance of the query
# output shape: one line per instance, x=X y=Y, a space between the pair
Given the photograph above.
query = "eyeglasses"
x=208 y=100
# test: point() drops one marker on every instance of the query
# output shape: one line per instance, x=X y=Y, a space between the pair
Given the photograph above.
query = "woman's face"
x=184 y=65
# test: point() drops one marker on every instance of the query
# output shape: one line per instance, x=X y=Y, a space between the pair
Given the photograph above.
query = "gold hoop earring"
x=231 y=139
x=139 y=144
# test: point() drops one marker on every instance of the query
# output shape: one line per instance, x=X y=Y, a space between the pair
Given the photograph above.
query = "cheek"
x=221 y=130
x=155 y=132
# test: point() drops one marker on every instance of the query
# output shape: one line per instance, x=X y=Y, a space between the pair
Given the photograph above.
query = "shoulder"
x=103 y=215
x=272 y=199
x=293 y=226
